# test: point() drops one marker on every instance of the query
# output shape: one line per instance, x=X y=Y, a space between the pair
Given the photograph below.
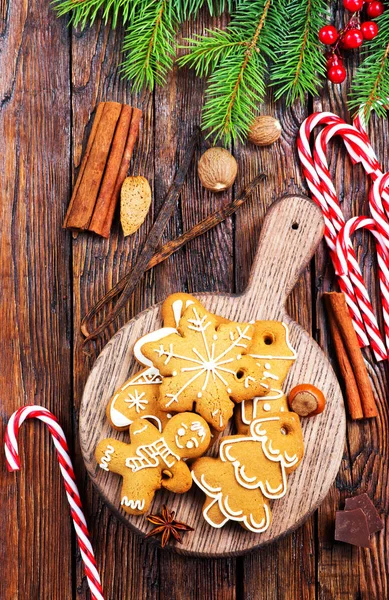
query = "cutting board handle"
x=292 y=230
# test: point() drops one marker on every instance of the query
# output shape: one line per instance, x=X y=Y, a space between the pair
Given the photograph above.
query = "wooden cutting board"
x=292 y=230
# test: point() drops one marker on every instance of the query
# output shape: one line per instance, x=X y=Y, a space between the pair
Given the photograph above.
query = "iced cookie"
x=153 y=460
x=250 y=471
x=273 y=351
x=176 y=304
x=205 y=366
x=138 y=397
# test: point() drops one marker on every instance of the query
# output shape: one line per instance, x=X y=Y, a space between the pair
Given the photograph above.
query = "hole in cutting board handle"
x=295 y=225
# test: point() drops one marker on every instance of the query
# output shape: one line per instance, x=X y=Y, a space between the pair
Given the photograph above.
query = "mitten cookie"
x=153 y=460
x=206 y=364
x=273 y=351
x=137 y=397
x=249 y=471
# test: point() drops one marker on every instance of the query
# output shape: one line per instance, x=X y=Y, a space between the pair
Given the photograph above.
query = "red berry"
x=375 y=9
x=369 y=30
x=336 y=74
x=333 y=60
x=353 y=38
x=328 y=35
x=353 y=5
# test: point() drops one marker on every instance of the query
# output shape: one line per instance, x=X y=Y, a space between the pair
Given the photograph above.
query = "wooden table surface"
x=51 y=78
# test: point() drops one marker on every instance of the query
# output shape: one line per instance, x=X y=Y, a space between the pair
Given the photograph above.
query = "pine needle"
x=236 y=59
x=370 y=86
x=300 y=63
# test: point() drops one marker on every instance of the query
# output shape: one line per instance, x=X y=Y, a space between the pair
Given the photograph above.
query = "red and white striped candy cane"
x=343 y=246
x=65 y=464
x=316 y=187
x=353 y=273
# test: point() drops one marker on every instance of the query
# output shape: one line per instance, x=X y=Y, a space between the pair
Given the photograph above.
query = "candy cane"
x=330 y=232
x=65 y=464
x=343 y=246
x=353 y=273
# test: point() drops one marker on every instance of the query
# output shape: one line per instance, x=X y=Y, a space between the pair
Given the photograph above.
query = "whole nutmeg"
x=264 y=131
x=217 y=169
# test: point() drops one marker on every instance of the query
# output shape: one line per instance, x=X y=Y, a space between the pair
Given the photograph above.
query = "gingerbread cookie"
x=206 y=364
x=249 y=471
x=153 y=460
x=273 y=351
x=174 y=306
x=138 y=397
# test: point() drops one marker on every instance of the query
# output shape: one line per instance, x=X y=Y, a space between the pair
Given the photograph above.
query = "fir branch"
x=84 y=12
x=370 y=86
x=237 y=60
x=300 y=62
x=150 y=43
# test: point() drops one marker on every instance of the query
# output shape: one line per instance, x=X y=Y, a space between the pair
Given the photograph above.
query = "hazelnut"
x=306 y=400
x=264 y=131
x=217 y=169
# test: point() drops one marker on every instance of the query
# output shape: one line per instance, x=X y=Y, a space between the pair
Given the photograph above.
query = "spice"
x=264 y=131
x=150 y=244
x=359 y=393
x=217 y=169
x=166 y=525
x=103 y=168
x=135 y=200
x=172 y=246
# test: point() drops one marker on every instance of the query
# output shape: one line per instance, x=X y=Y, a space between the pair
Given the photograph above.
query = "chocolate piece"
x=351 y=527
x=373 y=518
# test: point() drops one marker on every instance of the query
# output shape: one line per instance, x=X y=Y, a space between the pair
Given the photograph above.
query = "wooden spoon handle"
x=291 y=232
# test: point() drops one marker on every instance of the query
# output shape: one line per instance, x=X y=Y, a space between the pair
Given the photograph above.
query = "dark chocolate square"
x=351 y=527
x=363 y=501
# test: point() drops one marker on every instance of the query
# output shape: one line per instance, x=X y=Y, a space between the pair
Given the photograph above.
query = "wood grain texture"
x=40 y=344
x=291 y=231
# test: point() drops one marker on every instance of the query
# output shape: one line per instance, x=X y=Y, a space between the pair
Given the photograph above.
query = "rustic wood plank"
x=343 y=571
x=35 y=299
x=128 y=567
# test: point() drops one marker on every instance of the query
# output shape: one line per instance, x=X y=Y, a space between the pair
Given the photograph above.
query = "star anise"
x=166 y=524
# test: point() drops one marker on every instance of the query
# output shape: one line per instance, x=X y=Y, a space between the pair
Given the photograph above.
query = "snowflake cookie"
x=250 y=471
x=205 y=363
x=153 y=459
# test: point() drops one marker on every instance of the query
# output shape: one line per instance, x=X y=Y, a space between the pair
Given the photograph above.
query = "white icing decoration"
x=174 y=373
x=247 y=419
x=268 y=375
x=190 y=444
x=217 y=494
x=207 y=365
x=229 y=391
x=134 y=504
x=153 y=336
x=148 y=456
x=107 y=457
x=215 y=337
x=267 y=366
x=181 y=431
x=199 y=394
x=247 y=381
x=266 y=407
x=135 y=432
x=169 y=416
x=146 y=377
x=197 y=426
x=137 y=401
x=287 y=342
x=214 y=413
x=177 y=309
x=117 y=418
x=231 y=512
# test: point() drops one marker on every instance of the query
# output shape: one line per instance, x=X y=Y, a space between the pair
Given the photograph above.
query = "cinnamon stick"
x=151 y=242
x=103 y=216
x=88 y=183
x=173 y=245
x=105 y=196
x=351 y=352
x=96 y=121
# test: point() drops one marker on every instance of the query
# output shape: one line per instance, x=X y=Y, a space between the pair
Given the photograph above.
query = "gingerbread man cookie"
x=273 y=351
x=249 y=471
x=206 y=363
x=153 y=460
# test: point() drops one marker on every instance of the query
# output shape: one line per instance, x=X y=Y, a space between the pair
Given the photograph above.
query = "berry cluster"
x=351 y=36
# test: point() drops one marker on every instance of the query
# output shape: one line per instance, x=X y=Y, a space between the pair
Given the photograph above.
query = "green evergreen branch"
x=300 y=62
x=150 y=44
x=370 y=86
x=236 y=60
x=83 y=12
